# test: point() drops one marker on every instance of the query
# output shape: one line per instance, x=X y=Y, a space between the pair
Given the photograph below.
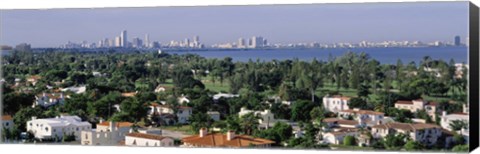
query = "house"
x=459 y=68
x=107 y=133
x=427 y=134
x=231 y=140
x=33 y=79
x=364 y=139
x=336 y=137
x=129 y=94
x=365 y=117
x=153 y=140
x=49 y=99
x=216 y=97
x=336 y=103
x=7 y=122
x=418 y=104
x=182 y=100
x=76 y=90
x=183 y=114
x=162 y=88
x=332 y=123
x=215 y=115
x=466 y=108
x=51 y=128
x=266 y=117
x=446 y=120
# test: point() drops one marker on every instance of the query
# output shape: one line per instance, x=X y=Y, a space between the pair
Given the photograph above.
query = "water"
x=384 y=55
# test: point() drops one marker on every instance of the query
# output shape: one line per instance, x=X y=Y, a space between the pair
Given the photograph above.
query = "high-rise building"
x=187 y=42
x=118 y=41
x=241 y=43
x=137 y=42
x=196 y=39
x=147 y=41
x=457 y=41
x=123 y=39
x=257 y=42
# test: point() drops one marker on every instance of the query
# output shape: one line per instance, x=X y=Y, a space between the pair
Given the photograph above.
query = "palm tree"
x=458 y=125
x=249 y=122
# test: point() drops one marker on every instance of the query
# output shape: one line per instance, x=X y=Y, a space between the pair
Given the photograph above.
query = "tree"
x=249 y=123
x=413 y=146
x=349 y=140
x=394 y=142
x=301 y=110
x=317 y=113
x=358 y=103
x=461 y=148
x=458 y=124
x=200 y=120
x=25 y=114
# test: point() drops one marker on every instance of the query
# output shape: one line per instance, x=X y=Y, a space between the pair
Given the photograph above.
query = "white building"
x=419 y=104
x=51 y=128
x=46 y=100
x=76 y=90
x=7 y=122
x=336 y=103
x=183 y=100
x=266 y=116
x=183 y=114
x=337 y=137
x=447 y=119
x=427 y=134
x=140 y=139
x=223 y=95
x=215 y=115
x=365 y=117
x=334 y=123
x=107 y=133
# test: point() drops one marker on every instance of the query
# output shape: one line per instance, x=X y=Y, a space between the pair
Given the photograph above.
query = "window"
x=86 y=136
x=54 y=130
x=6 y=124
x=46 y=129
x=78 y=129
x=146 y=144
x=134 y=142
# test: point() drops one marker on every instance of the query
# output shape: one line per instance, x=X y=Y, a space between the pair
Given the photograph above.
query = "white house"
x=50 y=99
x=427 y=134
x=336 y=137
x=215 y=115
x=76 y=90
x=161 y=88
x=365 y=117
x=7 y=122
x=223 y=95
x=419 y=104
x=336 y=103
x=148 y=140
x=446 y=120
x=266 y=116
x=182 y=100
x=332 y=123
x=56 y=127
x=183 y=114
x=107 y=133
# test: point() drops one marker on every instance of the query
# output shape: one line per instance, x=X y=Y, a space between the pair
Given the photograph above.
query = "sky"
x=323 y=23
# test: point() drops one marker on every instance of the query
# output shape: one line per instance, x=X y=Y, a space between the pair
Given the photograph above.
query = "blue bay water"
x=384 y=55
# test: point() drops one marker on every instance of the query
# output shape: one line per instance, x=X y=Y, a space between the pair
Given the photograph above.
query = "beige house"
x=107 y=133
x=418 y=104
x=425 y=133
x=148 y=140
x=336 y=103
x=364 y=117
x=336 y=137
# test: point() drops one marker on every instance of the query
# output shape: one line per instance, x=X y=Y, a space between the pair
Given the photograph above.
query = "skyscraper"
x=187 y=42
x=257 y=42
x=147 y=41
x=118 y=41
x=123 y=39
x=137 y=42
x=241 y=43
x=196 y=39
x=457 y=40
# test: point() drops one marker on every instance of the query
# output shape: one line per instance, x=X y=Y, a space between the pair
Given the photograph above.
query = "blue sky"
x=323 y=23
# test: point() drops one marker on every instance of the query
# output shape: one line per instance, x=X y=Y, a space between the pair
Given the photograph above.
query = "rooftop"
x=147 y=136
x=6 y=117
x=220 y=140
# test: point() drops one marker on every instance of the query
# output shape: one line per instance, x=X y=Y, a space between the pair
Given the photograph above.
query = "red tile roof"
x=220 y=140
x=7 y=117
x=147 y=136
x=404 y=102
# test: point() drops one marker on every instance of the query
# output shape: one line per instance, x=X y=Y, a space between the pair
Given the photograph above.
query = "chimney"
x=230 y=135
x=203 y=132
x=34 y=118
x=444 y=113
x=111 y=126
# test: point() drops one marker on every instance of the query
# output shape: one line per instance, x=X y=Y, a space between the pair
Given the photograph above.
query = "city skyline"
x=323 y=23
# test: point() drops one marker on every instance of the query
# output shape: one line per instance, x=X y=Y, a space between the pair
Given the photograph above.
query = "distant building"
x=231 y=140
x=335 y=123
x=216 y=97
x=215 y=115
x=428 y=134
x=23 y=47
x=137 y=42
x=241 y=43
x=52 y=128
x=123 y=39
x=148 y=140
x=183 y=114
x=457 y=41
x=266 y=116
x=7 y=122
x=365 y=117
x=183 y=100
x=49 y=99
x=338 y=136
x=336 y=103
x=118 y=41
x=257 y=42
